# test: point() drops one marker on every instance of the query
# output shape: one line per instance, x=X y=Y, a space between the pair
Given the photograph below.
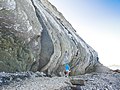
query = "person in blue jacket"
x=67 y=70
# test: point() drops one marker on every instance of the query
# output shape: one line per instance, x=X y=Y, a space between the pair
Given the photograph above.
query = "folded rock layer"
x=35 y=36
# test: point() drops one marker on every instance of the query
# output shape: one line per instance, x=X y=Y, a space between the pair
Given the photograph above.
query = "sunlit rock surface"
x=60 y=44
x=35 y=36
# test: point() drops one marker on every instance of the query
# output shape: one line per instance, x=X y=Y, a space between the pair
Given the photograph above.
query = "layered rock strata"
x=35 y=36
x=63 y=45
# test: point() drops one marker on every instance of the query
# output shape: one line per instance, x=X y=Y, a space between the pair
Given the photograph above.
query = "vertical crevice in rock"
x=33 y=32
x=47 y=47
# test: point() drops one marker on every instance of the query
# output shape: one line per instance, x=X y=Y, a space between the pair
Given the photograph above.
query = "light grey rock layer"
x=60 y=44
x=35 y=36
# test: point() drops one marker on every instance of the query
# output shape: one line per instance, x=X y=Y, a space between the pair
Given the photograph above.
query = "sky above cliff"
x=98 y=23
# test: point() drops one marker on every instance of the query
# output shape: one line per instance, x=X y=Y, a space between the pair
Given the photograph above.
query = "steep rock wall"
x=81 y=57
x=35 y=36
x=19 y=36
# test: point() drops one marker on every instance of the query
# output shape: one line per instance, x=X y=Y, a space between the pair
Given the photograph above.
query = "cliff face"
x=20 y=33
x=63 y=43
x=35 y=36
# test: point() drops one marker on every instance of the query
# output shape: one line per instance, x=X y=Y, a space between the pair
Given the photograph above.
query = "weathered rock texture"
x=39 y=81
x=98 y=81
x=59 y=37
x=35 y=36
x=20 y=33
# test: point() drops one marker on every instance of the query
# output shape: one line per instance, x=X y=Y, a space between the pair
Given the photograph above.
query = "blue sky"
x=98 y=23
